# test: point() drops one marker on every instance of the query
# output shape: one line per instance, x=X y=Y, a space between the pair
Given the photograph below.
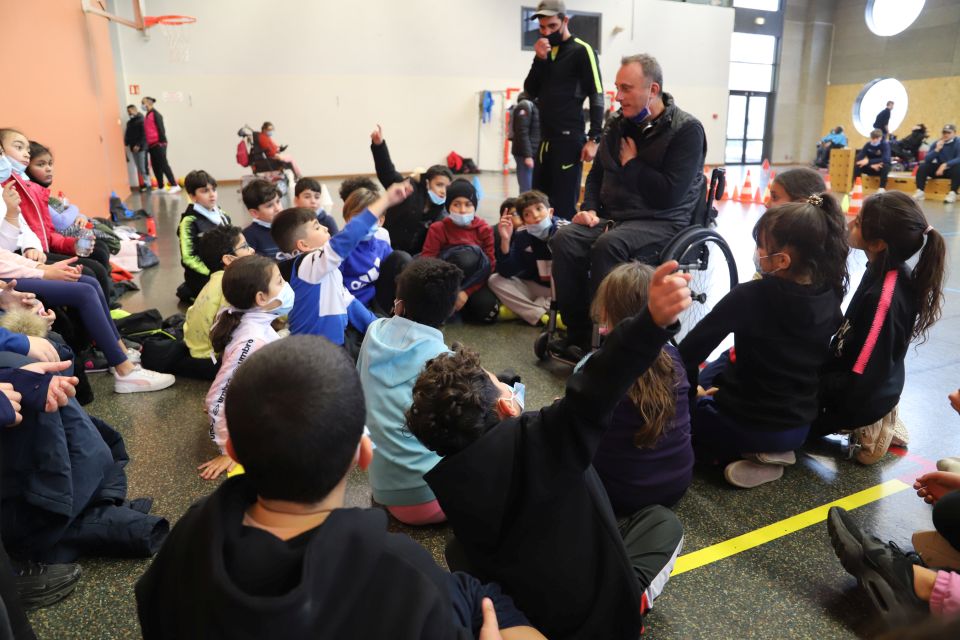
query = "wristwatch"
x=595 y=138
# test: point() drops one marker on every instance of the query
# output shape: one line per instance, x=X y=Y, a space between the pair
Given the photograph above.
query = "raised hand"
x=669 y=294
x=376 y=137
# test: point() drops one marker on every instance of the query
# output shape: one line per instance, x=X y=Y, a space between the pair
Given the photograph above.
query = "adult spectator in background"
x=274 y=152
x=836 y=139
x=874 y=159
x=942 y=161
x=525 y=133
x=882 y=120
x=565 y=71
x=643 y=188
x=135 y=139
x=907 y=149
x=156 y=135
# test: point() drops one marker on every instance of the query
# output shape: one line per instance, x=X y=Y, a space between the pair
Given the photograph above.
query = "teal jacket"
x=393 y=354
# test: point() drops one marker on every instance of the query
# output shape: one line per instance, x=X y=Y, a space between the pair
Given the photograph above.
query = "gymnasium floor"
x=779 y=581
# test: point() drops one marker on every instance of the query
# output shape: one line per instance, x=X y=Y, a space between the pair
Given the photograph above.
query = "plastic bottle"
x=85 y=241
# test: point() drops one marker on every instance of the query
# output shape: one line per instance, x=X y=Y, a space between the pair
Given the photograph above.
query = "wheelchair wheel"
x=540 y=346
x=704 y=254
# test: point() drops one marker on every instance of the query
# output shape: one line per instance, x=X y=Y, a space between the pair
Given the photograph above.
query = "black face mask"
x=555 y=38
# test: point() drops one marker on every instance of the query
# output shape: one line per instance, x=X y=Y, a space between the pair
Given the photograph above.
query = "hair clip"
x=815 y=199
x=928 y=229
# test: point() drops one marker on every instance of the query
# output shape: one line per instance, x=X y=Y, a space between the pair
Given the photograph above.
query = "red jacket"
x=445 y=233
x=266 y=143
x=34 y=205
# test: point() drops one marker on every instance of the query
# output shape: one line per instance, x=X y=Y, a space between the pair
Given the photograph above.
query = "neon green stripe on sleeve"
x=593 y=63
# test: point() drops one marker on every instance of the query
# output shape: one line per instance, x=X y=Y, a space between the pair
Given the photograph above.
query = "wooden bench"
x=935 y=189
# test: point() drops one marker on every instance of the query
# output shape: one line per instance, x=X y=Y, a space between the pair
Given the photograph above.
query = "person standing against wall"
x=882 y=120
x=156 y=136
x=135 y=139
x=565 y=71
x=525 y=130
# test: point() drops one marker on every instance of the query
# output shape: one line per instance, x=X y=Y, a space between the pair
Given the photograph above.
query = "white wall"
x=324 y=72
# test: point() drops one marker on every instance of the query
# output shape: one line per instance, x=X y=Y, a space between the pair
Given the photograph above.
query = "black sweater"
x=408 y=221
x=862 y=380
x=531 y=512
x=349 y=578
x=782 y=332
x=560 y=83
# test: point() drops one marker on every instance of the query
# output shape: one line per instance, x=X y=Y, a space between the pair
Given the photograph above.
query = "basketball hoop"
x=177 y=37
x=170 y=20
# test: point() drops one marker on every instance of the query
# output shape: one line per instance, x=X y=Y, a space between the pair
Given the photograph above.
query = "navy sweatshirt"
x=260 y=240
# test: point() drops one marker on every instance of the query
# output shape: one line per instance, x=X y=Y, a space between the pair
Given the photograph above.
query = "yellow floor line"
x=782 y=528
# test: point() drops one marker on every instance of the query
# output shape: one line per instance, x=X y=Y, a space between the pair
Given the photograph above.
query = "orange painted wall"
x=65 y=96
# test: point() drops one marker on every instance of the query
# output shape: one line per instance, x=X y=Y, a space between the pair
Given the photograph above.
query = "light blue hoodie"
x=393 y=354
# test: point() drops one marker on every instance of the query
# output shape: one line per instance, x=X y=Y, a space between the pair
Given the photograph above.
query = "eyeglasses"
x=242 y=247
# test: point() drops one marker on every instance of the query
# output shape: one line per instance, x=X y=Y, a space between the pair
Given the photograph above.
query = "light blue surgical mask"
x=540 y=230
x=5 y=168
x=875 y=144
x=286 y=298
x=435 y=199
x=519 y=393
x=215 y=216
x=18 y=168
x=644 y=113
x=462 y=219
x=270 y=133
x=756 y=263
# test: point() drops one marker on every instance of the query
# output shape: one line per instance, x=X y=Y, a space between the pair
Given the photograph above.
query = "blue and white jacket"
x=361 y=269
x=323 y=306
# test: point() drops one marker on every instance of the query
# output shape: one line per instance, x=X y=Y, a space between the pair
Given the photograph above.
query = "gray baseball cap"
x=549 y=8
x=950 y=127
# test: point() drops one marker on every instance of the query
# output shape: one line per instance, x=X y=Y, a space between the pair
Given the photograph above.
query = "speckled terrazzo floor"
x=792 y=587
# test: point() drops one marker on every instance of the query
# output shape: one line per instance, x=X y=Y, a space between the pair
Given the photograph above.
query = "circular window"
x=890 y=17
x=873 y=99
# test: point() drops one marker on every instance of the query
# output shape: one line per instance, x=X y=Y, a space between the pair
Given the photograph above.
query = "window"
x=760 y=5
x=583 y=24
x=873 y=99
x=751 y=61
x=751 y=77
x=890 y=17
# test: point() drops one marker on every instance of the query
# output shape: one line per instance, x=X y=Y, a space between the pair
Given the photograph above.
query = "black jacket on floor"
x=530 y=511
x=348 y=578
x=862 y=379
x=782 y=332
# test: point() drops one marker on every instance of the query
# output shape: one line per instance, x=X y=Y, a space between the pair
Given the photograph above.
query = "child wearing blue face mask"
x=465 y=240
x=522 y=280
x=874 y=159
x=371 y=269
x=201 y=216
x=257 y=295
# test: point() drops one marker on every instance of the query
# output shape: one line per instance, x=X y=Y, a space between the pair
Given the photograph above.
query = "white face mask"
x=540 y=230
x=5 y=168
x=756 y=263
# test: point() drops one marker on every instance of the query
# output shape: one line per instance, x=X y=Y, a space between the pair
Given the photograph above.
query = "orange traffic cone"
x=856 y=199
x=766 y=165
x=736 y=194
x=826 y=180
x=757 y=198
x=746 y=193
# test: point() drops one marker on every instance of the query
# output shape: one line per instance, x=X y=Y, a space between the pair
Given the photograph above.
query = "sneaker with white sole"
x=951 y=197
x=140 y=380
x=870 y=443
x=901 y=437
x=919 y=195
x=133 y=355
x=782 y=458
x=951 y=465
x=174 y=190
x=748 y=474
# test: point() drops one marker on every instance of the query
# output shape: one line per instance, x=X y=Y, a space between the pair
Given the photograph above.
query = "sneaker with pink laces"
x=140 y=380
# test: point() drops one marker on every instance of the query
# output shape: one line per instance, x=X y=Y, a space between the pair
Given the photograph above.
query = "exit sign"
x=134 y=90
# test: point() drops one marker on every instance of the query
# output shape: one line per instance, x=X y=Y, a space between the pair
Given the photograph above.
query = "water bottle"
x=85 y=241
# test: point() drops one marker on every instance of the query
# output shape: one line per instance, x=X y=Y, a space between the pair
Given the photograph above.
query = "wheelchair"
x=699 y=250
x=253 y=156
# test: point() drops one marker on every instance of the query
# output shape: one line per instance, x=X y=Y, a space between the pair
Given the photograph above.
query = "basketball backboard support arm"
x=96 y=8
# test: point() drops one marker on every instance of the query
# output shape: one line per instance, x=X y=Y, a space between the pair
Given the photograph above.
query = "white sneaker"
x=175 y=189
x=881 y=190
x=919 y=195
x=140 y=380
x=133 y=356
x=951 y=197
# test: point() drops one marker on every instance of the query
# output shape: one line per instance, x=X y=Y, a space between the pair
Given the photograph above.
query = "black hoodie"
x=782 y=332
x=348 y=578
x=530 y=511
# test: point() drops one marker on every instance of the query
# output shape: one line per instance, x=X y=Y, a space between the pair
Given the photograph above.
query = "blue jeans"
x=140 y=160
x=524 y=175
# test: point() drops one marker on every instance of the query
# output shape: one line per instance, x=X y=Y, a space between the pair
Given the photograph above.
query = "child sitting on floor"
x=370 y=271
x=760 y=405
x=262 y=200
x=324 y=307
x=307 y=194
x=278 y=550
x=527 y=508
x=393 y=354
x=466 y=241
x=201 y=216
x=522 y=280
x=895 y=304
x=257 y=295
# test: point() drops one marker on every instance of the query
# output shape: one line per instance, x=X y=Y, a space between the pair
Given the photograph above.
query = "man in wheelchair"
x=645 y=186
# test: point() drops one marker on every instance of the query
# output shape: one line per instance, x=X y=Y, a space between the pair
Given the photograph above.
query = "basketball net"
x=178 y=41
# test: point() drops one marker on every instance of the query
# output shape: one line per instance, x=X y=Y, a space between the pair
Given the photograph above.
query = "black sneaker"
x=41 y=585
x=882 y=569
x=93 y=361
x=566 y=350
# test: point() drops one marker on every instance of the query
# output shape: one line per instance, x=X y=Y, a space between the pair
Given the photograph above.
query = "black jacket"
x=530 y=511
x=134 y=135
x=782 y=332
x=560 y=83
x=664 y=182
x=525 y=124
x=353 y=579
x=882 y=121
x=408 y=221
x=862 y=380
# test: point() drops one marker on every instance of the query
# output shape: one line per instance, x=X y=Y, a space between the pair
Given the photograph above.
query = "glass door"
x=746 y=127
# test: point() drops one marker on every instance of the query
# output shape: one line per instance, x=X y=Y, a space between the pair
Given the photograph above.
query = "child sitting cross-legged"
x=257 y=295
x=466 y=241
x=522 y=280
x=308 y=193
x=323 y=306
x=201 y=216
x=262 y=200
x=370 y=271
x=277 y=549
x=527 y=508
x=392 y=356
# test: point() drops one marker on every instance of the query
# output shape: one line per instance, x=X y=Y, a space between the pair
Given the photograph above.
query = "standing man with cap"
x=942 y=161
x=565 y=70
x=882 y=121
x=156 y=135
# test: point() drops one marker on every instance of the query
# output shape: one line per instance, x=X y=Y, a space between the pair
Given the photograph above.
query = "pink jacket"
x=13 y=265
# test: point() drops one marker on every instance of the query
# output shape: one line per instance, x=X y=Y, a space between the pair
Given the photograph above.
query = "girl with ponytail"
x=893 y=306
